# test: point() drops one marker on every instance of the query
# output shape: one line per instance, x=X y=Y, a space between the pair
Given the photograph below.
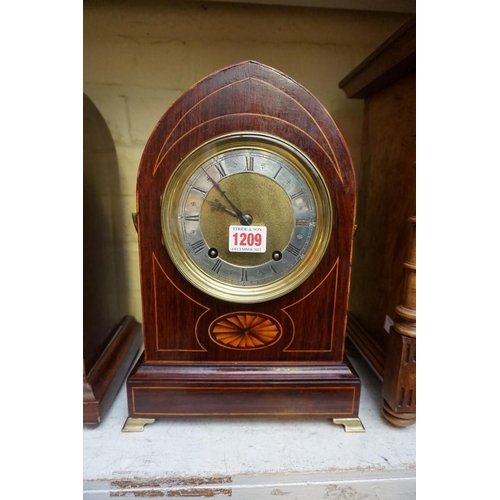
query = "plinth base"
x=322 y=390
x=106 y=377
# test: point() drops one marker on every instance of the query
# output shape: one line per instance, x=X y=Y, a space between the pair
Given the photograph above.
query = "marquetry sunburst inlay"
x=245 y=331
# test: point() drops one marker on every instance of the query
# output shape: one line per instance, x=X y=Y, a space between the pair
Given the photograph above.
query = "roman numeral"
x=302 y=222
x=219 y=168
x=249 y=165
x=217 y=266
x=198 y=246
x=192 y=218
x=296 y=195
x=244 y=275
x=203 y=193
x=293 y=250
x=277 y=173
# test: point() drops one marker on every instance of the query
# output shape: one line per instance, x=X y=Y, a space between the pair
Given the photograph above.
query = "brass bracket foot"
x=350 y=424
x=136 y=424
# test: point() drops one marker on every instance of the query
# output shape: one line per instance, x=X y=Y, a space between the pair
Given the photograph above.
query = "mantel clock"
x=245 y=218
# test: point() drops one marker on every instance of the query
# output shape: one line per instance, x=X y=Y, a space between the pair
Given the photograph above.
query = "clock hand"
x=217 y=205
x=245 y=219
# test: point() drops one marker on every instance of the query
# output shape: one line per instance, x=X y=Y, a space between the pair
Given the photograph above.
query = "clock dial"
x=246 y=217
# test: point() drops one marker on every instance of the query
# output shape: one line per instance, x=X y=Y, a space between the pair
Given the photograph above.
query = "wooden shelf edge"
x=395 y=58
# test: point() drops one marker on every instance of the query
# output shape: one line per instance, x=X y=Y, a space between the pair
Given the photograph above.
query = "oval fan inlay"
x=245 y=331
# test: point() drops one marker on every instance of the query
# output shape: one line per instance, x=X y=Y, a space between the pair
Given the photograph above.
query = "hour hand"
x=217 y=205
x=245 y=219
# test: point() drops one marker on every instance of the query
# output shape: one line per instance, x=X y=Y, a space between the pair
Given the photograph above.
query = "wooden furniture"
x=200 y=357
x=383 y=285
x=111 y=338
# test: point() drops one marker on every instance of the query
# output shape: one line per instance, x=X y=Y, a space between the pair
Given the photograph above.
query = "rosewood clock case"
x=299 y=367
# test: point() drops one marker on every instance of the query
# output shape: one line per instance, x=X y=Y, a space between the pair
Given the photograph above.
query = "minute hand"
x=245 y=219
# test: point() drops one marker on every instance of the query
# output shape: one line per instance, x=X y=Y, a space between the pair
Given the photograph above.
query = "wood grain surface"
x=177 y=316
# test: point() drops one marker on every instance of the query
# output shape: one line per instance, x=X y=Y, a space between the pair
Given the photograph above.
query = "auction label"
x=247 y=238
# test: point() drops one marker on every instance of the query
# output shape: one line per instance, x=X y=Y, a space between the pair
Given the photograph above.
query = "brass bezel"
x=172 y=236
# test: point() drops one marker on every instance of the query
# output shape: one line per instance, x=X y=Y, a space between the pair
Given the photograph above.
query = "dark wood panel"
x=392 y=60
x=111 y=339
x=383 y=284
x=107 y=375
x=297 y=401
x=253 y=97
x=302 y=390
x=309 y=321
x=373 y=353
x=387 y=198
x=104 y=300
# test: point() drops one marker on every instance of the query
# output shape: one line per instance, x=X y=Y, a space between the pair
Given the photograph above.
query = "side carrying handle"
x=134 y=220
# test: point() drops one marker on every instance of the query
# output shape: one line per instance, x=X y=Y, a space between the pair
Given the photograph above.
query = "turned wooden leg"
x=399 y=384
